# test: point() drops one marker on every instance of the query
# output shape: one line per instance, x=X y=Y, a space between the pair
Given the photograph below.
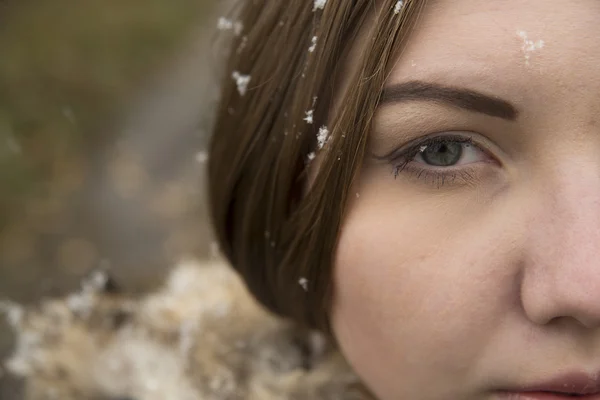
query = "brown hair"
x=274 y=230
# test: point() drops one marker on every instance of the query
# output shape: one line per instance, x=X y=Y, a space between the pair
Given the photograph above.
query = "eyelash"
x=402 y=159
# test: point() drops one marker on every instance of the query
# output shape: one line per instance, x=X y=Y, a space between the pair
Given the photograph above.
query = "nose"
x=561 y=269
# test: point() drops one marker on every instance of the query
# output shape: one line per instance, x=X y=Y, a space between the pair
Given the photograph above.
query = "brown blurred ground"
x=104 y=111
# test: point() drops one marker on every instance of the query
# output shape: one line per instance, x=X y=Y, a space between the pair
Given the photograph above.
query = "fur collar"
x=200 y=337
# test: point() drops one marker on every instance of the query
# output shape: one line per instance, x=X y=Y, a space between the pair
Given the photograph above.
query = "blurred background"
x=105 y=108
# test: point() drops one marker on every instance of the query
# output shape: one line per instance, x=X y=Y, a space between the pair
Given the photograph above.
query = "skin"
x=460 y=290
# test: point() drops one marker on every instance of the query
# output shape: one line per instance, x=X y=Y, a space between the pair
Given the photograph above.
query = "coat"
x=199 y=337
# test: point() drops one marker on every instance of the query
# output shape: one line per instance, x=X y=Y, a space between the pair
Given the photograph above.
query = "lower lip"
x=548 y=396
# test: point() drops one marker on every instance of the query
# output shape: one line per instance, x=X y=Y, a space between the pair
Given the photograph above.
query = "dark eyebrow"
x=458 y=97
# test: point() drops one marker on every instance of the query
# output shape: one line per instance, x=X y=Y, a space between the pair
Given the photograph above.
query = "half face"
x=469 y=263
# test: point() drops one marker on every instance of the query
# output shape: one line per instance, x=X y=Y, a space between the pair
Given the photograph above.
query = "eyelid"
x=403 y=160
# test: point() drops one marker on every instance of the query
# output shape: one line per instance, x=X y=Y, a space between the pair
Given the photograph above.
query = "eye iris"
x=442 y=154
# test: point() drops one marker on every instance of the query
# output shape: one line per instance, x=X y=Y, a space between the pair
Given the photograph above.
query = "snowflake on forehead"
x=529 y=46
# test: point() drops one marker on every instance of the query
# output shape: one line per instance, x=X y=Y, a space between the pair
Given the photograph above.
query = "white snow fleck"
x=309 y=117
x=202 y=156
x=96 y=282
x=529 y=46
x=304 y=283
x=83 y=301
x=398 y=6
x=313 y=46
x=357 y=195
x=322 y=136
x=14 y=312
x=319 y=4
x=241 y=81
x=181 y=278
x=422 y=148
x=311 y=156
x=225 y=24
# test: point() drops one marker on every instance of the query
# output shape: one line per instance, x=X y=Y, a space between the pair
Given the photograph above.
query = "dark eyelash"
x=406 y=155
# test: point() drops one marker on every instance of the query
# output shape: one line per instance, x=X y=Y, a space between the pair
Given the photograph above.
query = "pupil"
x=442 y=154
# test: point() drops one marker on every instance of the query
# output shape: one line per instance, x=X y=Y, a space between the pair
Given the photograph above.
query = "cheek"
x=411 y=303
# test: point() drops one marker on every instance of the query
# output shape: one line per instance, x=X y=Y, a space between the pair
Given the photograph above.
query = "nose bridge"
x=562 y=275
x=573 y=213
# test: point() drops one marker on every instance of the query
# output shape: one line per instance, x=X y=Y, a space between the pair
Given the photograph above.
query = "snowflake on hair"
x=322 y=136
x=319 y=5
x=202 y=157
x=309 y=116
x=241 y=82
x=304 y=283
x=313 y=45
x=225 y=24
x=398 y=6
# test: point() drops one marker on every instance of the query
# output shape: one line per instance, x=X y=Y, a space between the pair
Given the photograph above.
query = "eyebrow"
x=458 y=97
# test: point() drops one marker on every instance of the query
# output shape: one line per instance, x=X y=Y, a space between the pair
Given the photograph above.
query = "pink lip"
x=549 y=396
x=572 y=383
x=567 y=386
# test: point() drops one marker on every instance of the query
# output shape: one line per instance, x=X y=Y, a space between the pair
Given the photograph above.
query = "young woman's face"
x=469 y=266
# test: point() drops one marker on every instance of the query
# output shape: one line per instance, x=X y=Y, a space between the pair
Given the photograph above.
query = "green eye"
x=442 y=154
x=440 y=160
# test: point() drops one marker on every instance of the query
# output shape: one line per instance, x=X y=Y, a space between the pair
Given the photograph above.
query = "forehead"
x=524 y=45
